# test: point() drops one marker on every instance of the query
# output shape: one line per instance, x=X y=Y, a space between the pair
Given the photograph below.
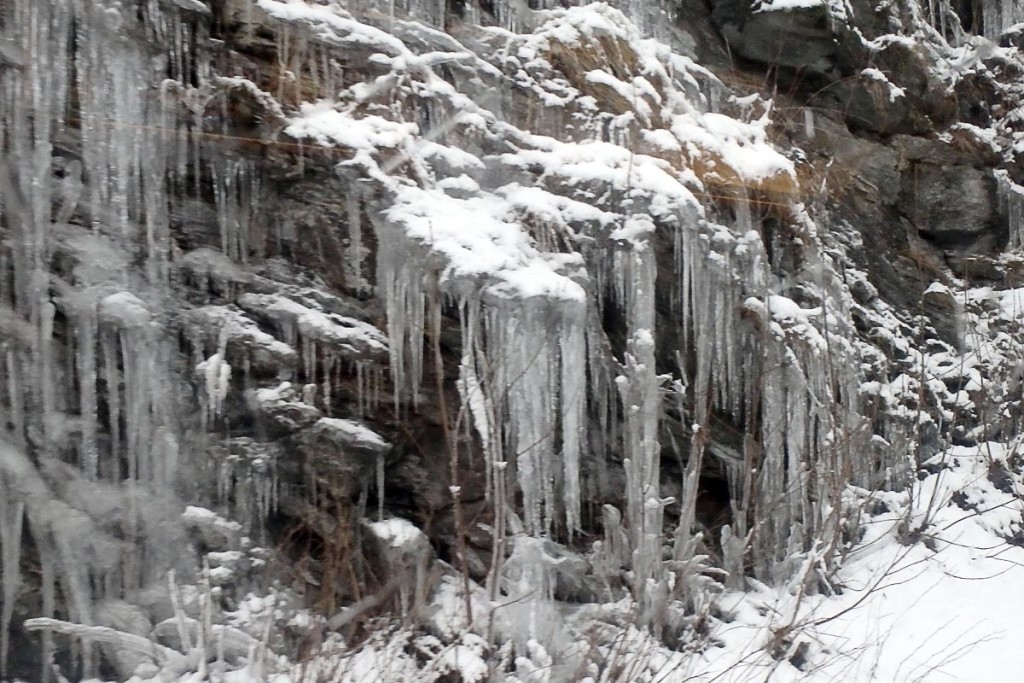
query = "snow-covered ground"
x=944 y=605
x=930 y=594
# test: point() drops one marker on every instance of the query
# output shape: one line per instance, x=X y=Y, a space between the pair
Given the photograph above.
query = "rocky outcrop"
x=430 y=299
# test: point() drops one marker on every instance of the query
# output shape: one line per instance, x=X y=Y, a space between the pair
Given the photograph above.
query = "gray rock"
x=282 y=409
x=341 y=454
x=945 y=313
x=127 y=618
x=954 y=204
x=216 y=532
x=246 y=342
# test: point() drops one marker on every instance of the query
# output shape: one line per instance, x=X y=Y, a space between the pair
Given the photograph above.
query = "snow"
x=930 y=612
x=894 y=92
x=124 y=310
x=352 y=432
x=742 y=147
x=477 y=241
x=788 y=5
x=300 y=322
x=397 y=532
x=331 y=24
x=524 y=193
x=326 y=125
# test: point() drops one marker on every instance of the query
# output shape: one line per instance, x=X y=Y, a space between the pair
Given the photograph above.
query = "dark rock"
x=945 y=313
x=954 y=205
x=341 y=454
x=215 y=532
x=871 y=102
x=282 y=409
x=799 y=38
x=977 y=267
x=863 y=291
x=399 y=552
x=127 y=618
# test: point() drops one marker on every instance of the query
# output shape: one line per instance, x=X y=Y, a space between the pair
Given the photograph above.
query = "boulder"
x=341 y=454
x=945 y=313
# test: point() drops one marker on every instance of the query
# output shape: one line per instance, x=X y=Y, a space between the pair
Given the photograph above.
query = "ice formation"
x=572 y=210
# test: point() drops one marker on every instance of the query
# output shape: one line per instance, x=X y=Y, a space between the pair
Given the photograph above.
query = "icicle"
x=216 y=374
x=330 y=360
x=380 y=486
x=44 y=350
x=471 y=390
x=401 y=277
x=998 y=16
x=87 y=325
x=16 y=395
x=48 y=580
x=1011 y=205
x=112 y=378
x=529 y=342
x=528 y=581
x=633 y=278
x=12 y=512
x=809 y=123
x=354 y=252
x=237 y=191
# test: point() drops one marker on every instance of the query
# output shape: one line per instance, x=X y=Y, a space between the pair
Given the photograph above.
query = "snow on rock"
x=581 y=168
x=397 y=532
x=217 y=532
x=786 y=5
x=214 y=270
x=242 y=337
x=364 y=135
x=347 y=337
x=333 y=25
x=282 y=407
x=477 y=243
x=124 y=310
x=894 y=92
x=216 y=376
x=349 y=435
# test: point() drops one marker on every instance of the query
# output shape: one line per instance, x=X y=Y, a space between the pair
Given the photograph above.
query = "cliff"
x=493 y=340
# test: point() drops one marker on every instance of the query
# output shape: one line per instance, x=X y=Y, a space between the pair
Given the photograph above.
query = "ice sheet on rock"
x=215 y=374
x=124 y=310
x=99 y=259
x=587 y=166
x=218 y=533
x=327 y=125
x=787 y=5
x=1011 y=206
x=241 y=336
x=283 y=406
x=212 y=268
x=397 y=532
x=192 y=6
x=334 y=26
x=297 y=323
x=350 y=434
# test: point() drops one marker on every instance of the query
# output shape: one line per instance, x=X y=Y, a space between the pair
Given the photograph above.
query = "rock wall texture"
x=368 y=305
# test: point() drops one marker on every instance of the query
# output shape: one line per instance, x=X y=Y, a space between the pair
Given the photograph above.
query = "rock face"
x=531 y=291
